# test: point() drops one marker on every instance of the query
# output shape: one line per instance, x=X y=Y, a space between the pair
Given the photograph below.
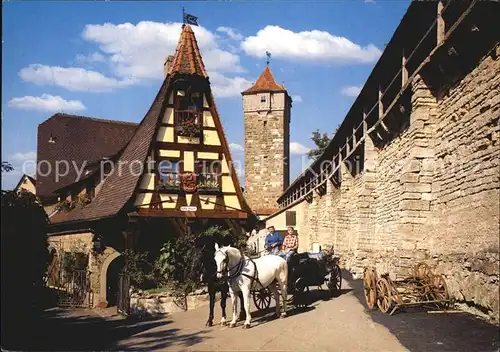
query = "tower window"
x=262 y=98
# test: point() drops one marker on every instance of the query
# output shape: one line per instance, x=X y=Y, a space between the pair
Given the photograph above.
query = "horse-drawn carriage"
x=305 y=270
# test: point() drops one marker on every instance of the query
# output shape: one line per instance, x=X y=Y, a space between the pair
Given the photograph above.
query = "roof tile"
x=265 y=83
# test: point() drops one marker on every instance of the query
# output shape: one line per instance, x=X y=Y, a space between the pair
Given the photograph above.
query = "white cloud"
x=46 y=102
x=23 y=163
x=140 y=50
x=308 y=45
x=71 y=78
x=351 y=91
x=297 y=148
x=235 y=148
x=90 y=58
x=297 y=98
x=231 y=33
x=21 y=157
x=225 y=87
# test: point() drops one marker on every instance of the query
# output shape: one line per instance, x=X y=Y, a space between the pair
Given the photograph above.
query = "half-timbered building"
x=169 y=175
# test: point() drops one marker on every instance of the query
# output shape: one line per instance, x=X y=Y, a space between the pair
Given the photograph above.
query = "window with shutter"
x=290 y=218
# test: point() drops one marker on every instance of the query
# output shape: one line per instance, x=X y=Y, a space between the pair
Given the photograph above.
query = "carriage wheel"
x=262 y=298
x=370 y=287
x=334 y=282
x=300 y=294
x=384 y=299
x=421 y=271
x=439 y=289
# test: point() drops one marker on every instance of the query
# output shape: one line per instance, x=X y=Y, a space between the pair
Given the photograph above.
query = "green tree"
x=321 y=140
x=6 y=166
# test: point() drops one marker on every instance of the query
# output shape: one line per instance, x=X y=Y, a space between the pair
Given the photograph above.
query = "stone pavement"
x=337 y=324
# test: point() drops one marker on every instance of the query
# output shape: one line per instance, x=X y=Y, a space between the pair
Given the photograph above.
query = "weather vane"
x=268 y=54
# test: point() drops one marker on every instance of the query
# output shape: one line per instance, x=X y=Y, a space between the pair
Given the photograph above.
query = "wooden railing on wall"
x=311 y=181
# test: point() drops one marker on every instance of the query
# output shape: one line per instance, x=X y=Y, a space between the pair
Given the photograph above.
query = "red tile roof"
x=120 y=185
x=77 y=139
x=265 y=83
x=187 y=58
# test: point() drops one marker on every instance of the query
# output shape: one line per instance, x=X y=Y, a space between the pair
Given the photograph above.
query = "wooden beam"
x=380 y=104
x=365 y=124
x=202 y=214
x=441 y=27
x=190 y=147
x=404 y=71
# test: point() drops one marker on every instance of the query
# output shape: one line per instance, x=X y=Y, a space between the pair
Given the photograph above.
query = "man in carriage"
x=273 y=241
x=290 y=244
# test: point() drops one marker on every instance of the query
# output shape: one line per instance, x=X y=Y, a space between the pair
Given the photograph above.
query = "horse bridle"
x=226 y=271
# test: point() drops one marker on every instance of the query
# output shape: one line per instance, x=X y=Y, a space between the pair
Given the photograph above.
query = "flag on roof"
x=190 y=19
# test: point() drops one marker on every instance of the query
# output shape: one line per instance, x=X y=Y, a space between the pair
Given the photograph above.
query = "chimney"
x=166 y=65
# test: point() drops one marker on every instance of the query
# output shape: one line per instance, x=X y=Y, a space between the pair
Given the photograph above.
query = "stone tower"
x=266 y=108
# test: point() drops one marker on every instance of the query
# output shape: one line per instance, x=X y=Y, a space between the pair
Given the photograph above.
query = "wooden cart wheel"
x=421 y=271
x=262 y=298
x=439 y=288
x=370 y=287
x=334 y=282
x=384 y=295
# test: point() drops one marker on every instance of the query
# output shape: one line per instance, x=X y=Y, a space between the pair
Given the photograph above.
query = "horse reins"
x=239 y=267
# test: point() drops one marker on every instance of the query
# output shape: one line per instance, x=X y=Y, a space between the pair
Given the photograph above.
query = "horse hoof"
x=231 y=325
x=208 y=324
x=246 y=326
x=283 y=315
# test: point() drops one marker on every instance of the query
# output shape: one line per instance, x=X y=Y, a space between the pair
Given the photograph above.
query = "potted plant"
x=209 y=186
x=188 y=128
x=168 y=185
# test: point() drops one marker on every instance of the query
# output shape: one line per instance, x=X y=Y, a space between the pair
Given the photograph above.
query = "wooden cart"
x=421 y=288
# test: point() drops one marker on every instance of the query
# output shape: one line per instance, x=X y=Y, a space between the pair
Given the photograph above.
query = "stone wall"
x=430 y=194
x=164 y=303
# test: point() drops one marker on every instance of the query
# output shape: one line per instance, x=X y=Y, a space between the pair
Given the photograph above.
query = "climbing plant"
x=180 y=260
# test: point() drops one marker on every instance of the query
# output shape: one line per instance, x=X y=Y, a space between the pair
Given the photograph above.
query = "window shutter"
x=290 y=218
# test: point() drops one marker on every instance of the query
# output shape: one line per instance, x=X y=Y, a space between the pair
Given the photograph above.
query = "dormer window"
x=262 y=98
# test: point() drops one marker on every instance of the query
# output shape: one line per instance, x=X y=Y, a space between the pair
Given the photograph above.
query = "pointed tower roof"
x=187 y=58
x=265 y=83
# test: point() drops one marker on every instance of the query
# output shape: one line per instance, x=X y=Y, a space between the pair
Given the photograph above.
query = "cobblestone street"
x=338 y=324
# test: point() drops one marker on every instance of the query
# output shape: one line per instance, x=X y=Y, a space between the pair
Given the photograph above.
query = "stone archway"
x=103 y=275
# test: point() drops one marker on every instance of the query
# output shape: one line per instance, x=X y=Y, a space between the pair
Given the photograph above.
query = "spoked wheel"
x=262 y=298
x=370 y=287
x=439 y=290
x=421 y=271
x=384 y=295
x=300 y=294
x=334 y=282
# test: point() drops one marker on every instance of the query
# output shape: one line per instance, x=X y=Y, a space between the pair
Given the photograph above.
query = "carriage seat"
x=306 y=256
x=317 y=256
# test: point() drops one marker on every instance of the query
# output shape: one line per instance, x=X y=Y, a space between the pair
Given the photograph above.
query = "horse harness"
x=239 y=268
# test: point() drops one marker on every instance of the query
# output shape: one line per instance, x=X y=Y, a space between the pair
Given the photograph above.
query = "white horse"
x=245 y=274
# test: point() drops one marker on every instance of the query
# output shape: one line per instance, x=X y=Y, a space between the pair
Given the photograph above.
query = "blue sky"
x=104 y=59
